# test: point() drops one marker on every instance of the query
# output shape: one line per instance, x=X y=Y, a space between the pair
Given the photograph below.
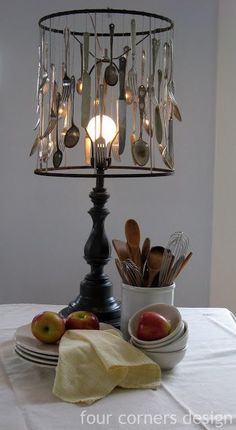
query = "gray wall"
x=44 y=222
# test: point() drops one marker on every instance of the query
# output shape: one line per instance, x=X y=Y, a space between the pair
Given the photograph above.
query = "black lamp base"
x=96 y=288
x=108 y=312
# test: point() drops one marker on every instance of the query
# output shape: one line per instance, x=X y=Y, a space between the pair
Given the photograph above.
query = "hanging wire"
x=150 y=95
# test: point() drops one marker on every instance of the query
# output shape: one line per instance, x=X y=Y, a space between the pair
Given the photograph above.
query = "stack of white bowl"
x=169 y=350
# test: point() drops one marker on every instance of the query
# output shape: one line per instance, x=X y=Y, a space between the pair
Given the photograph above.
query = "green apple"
x=82 y=320
x=48 y=327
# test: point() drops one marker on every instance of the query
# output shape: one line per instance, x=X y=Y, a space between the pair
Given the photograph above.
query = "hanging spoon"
x=73 y=134
x=58 y=155
x=141 y=150
x=111 y=75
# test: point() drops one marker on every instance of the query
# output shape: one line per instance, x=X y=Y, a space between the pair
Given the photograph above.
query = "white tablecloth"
x=201 y=387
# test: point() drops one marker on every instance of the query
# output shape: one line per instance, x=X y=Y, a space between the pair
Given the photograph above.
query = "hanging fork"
x=66 y=83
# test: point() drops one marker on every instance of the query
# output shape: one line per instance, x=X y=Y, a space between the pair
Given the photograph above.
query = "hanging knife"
x=122 y=105
x=86 y=82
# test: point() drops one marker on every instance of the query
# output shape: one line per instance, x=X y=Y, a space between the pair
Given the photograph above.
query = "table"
x=202 y=386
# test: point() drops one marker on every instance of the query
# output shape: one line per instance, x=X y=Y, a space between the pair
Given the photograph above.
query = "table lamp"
x=105 y=105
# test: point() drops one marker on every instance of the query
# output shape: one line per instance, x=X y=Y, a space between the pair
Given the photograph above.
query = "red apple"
x=48 y=327
x=153 y=326
x=82 y=320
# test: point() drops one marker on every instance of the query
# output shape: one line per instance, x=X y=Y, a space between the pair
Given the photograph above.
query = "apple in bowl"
x=48 y=327
x=153 y=326
x=82 y=320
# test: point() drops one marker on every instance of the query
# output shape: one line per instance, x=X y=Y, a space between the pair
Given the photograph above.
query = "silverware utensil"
x=100 y=143
x=133 y=137
x=129 y=95
x=122 y=105
x=44 y=84
x=58 y=155
x=132 y=272
x=132 y=75
x=66 y=82
x=176 y=248
x=52 y=120
x=98 y=69
x=79 y=83
x=111 y=75
x=121 y=271
x=155 y=49
x=140 y=149
x=73 y=134
x=171 y=86
x=86 y=79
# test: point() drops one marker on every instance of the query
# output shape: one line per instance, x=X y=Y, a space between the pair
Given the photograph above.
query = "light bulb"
x=108 y=128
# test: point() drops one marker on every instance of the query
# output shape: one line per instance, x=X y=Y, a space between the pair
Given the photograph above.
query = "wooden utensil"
x=121 y=249
x=184 y=264
x=132 y=234
x=154 y=261
x=145 y=251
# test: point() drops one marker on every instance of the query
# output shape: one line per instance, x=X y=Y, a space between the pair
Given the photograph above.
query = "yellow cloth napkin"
x=93 y=362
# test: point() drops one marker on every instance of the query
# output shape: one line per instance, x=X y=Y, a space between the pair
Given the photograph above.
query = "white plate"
x=37 y=362
x=35 y=355
x=25 y=339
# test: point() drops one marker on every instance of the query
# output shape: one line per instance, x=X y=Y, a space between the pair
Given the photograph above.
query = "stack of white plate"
x=30 y=349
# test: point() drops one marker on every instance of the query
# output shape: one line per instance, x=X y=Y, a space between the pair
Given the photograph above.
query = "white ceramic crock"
x=135 y=298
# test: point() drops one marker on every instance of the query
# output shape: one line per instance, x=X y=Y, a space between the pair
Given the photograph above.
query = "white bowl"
x=167 y=360
x=177 y=344
x=162 y=342
x=169 y=312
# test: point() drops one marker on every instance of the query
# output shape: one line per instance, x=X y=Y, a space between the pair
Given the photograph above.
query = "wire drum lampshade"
x=105 y=108
x=105 y=94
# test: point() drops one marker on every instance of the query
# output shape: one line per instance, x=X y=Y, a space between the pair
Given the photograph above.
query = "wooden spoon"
x=154 y=261
x=132 y=234
x=184 y=264
x=121 y=249
x=145 y=250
